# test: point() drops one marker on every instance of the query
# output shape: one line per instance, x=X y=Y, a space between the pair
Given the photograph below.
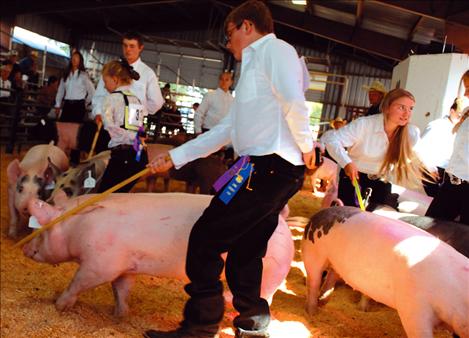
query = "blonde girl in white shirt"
x=379 y=149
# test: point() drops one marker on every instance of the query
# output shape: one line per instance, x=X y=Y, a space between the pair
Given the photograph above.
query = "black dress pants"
x=452 y=201
x=381 y=191
x=242 y=228
x=121 y=166
x=73 y=111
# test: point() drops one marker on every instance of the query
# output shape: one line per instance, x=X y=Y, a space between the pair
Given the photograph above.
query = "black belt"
x=454 y=180
x=123 y=147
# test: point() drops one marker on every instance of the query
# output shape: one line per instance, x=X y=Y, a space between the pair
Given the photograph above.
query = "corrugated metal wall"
x=201 y=67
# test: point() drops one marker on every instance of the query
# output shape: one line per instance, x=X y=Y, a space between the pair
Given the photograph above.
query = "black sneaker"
x=179 y=333
x=241 y=333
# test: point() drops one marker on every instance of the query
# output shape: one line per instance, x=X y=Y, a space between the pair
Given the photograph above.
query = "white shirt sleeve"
x=337 y=141
x=60 y=94
x=200 y=113
x=154 y=97
x=204 y=145
x=98 y=99
x=286 y=75
x=89 y=87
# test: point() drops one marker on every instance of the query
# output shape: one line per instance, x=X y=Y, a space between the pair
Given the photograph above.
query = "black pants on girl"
x=73 y=111
x=121 y=166
x=381 y=191
x=452 y=201
x=242 y=228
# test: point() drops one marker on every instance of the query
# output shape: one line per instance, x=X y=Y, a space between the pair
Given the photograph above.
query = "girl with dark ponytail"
x=122 y=117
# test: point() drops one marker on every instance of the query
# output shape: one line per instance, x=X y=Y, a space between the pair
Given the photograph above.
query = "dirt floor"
x=28 y=291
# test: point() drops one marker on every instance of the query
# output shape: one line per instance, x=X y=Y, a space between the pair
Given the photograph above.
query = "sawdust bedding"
x=28 y=291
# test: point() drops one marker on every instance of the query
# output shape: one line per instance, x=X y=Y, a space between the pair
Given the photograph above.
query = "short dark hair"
x=255 y=11
x=133 y=35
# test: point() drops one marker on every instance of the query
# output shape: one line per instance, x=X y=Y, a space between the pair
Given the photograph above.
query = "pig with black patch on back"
x=72 y=181
x=392 y=262
x=29 y=178
x=124 y=235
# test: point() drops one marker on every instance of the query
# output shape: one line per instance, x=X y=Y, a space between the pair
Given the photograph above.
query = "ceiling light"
x=299 y=2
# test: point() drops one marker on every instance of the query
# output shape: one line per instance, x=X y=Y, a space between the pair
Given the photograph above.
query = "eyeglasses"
x=403 y=108
x=229 y=32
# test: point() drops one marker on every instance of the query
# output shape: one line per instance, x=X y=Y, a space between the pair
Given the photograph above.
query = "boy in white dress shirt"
x=268 y=125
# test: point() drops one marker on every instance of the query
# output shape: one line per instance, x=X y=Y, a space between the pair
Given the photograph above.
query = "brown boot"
x=241 y=333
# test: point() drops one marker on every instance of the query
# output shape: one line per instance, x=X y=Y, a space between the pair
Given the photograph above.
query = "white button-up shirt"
x=114 y=114
x=366 y=141
x=268 y=114
x=146 y=88
x=436 y=144
x=212 y=110
x=459 y=161
x=78 y=86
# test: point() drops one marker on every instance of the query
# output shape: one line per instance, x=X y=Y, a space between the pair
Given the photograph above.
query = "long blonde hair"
x=400 y=158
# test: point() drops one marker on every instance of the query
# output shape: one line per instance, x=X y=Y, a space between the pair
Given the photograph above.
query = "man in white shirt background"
x=215 y=105
x=269 y=123
x=146 y=88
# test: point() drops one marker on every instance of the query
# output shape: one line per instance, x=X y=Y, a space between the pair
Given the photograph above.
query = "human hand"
x=351 y=171
x=161 y=163
x=310 y=159
x=57 y=112
x=98 y=119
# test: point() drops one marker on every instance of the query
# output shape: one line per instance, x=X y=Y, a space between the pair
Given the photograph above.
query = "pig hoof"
x=311 y=310
x=121 y=311
x=12 y=233
x=63 y=303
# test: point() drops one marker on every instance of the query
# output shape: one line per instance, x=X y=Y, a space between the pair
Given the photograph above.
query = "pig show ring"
x=80 y=207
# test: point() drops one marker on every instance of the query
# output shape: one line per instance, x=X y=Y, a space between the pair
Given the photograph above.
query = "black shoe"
x=179 y=333
x=241 y=333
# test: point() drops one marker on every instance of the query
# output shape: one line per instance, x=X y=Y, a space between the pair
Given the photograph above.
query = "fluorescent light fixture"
x=299 y=2
x=34 y=40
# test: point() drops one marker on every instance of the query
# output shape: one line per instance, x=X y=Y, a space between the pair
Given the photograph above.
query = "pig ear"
x=51 y=171
x=60 y=198
x=14 y=171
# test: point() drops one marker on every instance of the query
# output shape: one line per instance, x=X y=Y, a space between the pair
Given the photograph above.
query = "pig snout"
x=30 y=249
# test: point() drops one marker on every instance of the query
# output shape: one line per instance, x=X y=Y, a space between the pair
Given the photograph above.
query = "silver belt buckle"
x=454 y=179
x=373 y=177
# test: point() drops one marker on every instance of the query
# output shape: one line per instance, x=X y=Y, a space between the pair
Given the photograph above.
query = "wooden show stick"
x=95 y=139
x=359 y=194
x=80 y=207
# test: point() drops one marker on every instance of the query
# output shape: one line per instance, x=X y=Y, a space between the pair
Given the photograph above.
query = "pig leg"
x=417 y=316
x=314 y=267
x=121 y=288
x=364 y=303
x=328 y=286
x=151 y=183
x=166 y=184
x=14 y=216
x=85 y=278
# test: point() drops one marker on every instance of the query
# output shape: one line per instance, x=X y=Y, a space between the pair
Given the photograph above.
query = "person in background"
x=376 y=92
x=379 y=150
x=26 y=63
x=195 y=106
x=122 y=117
x=146 y=88
x=5 y=83
x=13 y=60
x=269 y=124
x=452 y=200
x=75 y=90
x=436 y=145
x=47 y=95
x=215 y=105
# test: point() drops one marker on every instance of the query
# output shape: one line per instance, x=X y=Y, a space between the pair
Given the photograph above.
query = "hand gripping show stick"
x=80 y=207
x=359 y=194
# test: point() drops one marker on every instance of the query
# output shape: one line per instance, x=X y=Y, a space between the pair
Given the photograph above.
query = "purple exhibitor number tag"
x=223 y=179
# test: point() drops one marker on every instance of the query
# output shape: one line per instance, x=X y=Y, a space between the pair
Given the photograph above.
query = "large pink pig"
x=327 y=172
x=26 y=179
x=125 y=235
x=392 y=262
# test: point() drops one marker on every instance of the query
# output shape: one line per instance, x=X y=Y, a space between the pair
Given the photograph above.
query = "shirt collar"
x=136 y=63
x=259 y=42
x=379 y=126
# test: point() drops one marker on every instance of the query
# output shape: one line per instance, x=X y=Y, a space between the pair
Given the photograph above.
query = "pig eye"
x=20 y=189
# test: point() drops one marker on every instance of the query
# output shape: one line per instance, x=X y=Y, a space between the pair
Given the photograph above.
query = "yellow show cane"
x=80 y=207
x=95 y=139
x=359 y=194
